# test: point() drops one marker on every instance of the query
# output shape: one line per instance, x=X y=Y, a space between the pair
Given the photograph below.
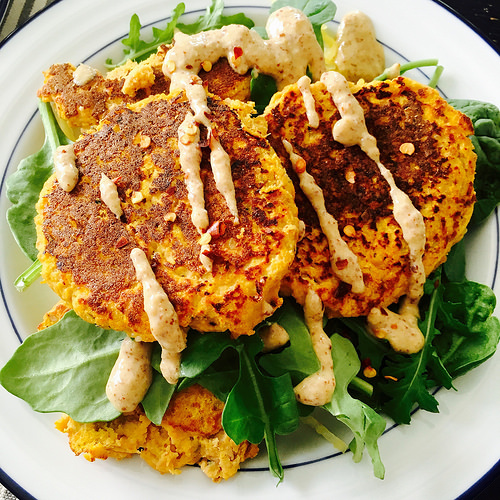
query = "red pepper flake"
x=341 y=263
x=217 y=229
x=390 y=377
x=238 y=52
x=121 y=242
x=365 y=362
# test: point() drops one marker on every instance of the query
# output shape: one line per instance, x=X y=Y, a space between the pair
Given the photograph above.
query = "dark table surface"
x=481 y=15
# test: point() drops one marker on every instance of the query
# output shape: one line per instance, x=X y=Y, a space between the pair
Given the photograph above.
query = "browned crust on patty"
x=85 y=249
x=438 y=177
x=84 y=106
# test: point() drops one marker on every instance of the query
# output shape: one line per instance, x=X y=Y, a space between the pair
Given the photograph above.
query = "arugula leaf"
x=65 y=368
x=214 y=18
x=408 y=382
x=25 y=184
x=365 y=423
x=259 y=406
x=486 y=140
x=138 y=49
x=318 y=11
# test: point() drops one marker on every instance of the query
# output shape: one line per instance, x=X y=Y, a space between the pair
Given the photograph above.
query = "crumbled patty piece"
x=190 y=433
x=422 y=140
x=85 y=249
x=82 y=107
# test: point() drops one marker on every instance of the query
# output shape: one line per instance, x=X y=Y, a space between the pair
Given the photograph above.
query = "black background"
x=482 y=15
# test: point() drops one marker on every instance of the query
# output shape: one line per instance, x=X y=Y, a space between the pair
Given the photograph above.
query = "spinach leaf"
x=262 y=88
x=299 y=358
x=24 y=185
x=65 y=368
x=472 y=333
x=365 y=423
x=259 y=406
x=486 y=140
x=157 y=399
x=202 y=351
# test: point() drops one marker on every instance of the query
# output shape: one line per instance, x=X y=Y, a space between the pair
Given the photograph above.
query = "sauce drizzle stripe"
x=344 y=262
x=163 y=319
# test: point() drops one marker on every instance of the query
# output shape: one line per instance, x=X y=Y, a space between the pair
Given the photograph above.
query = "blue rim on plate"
x=471 y=493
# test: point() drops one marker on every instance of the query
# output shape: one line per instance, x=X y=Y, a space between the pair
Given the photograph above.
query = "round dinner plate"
x=438 y=456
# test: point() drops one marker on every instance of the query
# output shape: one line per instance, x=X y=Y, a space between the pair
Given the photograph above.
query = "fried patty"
x=82 y=107
x=422 y=140
x=190 y=433
x=85 y=249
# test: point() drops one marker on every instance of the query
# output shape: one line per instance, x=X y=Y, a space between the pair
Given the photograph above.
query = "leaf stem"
x=421 y=63
x=29 y=276
x=362 y=386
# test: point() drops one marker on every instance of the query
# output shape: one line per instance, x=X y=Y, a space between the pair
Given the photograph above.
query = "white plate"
x=439 y=456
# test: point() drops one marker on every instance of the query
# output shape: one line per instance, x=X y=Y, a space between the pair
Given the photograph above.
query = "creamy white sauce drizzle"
x=109 y=195
x=351 y=130
x=190 y=157
x=399 y=329
x=83 y=74
x=344 y=262
x=292 y=48
x=221 y=168
x=274 y=336
x=65 y=168
x=317 y=389
x=359 y=55
x=131 y=375
x=163 y=319
x=304 y=85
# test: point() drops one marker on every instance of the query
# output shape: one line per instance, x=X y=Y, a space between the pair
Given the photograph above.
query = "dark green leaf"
x=262 y=88
x=65 y=368
x=202 y=350
x=454 y=267
x=461 y=354
x=259 y=406
x=410 y=371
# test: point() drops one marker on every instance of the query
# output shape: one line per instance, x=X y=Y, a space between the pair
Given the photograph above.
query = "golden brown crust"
x=438 y=176
x=191 y=433
x=85 y=249
x=82 y=107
